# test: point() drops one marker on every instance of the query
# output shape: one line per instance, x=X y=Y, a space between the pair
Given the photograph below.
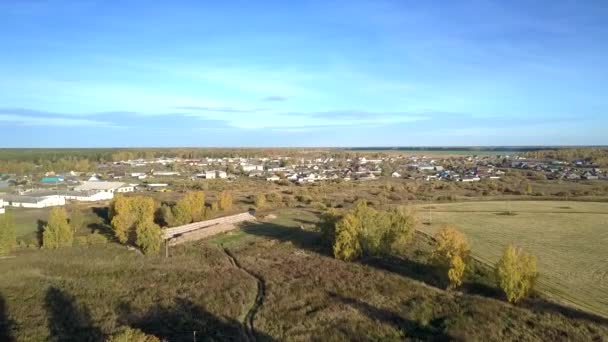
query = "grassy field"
x=28 y=220
x=85 y=293
x=570 y=240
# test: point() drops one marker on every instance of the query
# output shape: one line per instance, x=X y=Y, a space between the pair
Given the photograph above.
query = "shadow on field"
x=426 y=273
x=433 y=331
x=40 y=231
x=103 y=213
x=304 y=239
x=68 y=322
x=102 y=229
x=6 y=325
x=542 y=305
x=179 y=322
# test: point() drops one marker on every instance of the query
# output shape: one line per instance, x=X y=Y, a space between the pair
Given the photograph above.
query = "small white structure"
x=1 y=206
x=273 y=178
x=210 y=174
x=94 y=178
x=165 y=173
x=222 y=174
x=396 y=174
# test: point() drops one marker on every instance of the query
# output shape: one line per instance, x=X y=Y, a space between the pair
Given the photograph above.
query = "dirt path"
x=259 y=298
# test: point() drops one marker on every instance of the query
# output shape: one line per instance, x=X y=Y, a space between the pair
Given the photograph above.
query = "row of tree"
x=365 y=231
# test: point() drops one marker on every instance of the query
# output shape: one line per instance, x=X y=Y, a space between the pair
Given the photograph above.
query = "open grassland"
x=570 y=240
x=212 y=287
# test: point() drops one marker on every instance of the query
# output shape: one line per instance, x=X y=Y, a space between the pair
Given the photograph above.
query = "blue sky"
x=312 y=73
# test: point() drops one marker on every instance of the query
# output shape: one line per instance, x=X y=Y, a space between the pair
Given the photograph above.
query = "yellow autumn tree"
x=451 y=253
x=133 y=222
x=347 y=246
x=190 y=208
x=224 y=201
x=516 y=272
x=57 y=232
x=259 y=201
x=8 y=236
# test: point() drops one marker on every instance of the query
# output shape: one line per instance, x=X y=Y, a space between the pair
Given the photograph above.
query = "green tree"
x=127 y=334
x=8 y=237
x=451 y=253
x=57 y=232
x=516 y=273
x=327 y=226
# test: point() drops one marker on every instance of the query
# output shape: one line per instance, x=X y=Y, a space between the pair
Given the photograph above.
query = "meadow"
x=212 y=287
x=569 y=239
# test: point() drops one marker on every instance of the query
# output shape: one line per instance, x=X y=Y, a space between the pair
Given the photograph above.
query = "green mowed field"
x=570 y=240
x=27 y=220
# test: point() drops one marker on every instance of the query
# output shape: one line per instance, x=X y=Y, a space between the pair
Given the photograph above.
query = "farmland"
x=568 y=238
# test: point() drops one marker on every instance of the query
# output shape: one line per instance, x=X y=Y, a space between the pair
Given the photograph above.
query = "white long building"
x=22 y=201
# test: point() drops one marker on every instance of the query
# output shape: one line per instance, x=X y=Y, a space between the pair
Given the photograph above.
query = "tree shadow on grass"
x=301 y=238
x=40 y=231
x=102 y=229
x=103 y=213
x=68 y=322
x=425 y=272
x=179 y=322
x=6 y=324
x=432 y=332
x=539 y=304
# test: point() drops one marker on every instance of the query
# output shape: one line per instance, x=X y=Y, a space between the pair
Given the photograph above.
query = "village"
x=57 y=187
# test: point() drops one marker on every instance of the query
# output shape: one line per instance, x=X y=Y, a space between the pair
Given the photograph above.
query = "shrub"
x=126 y=334
x=259 y=201
x=451 y=253
x=81 y=241
x=57 y=232
x=97 y=239
x=516 y=273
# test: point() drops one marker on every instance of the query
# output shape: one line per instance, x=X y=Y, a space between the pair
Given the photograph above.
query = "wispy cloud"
x=274 y=98
x=220 y=109
x=55 y=121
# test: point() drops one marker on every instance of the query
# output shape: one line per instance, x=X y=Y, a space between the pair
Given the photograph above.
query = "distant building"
x=24 y=201
x=210 y=174
x=1 y=206
x=273 y=178
x=51 y=179
x=396 y=174
x=165 y=173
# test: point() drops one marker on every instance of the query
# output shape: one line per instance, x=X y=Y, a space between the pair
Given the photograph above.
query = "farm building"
x=25 y=201
x=1 y=206
x=101 y=190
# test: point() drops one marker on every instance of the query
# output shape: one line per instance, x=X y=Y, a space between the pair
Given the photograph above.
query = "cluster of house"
x=558 y=169
x=87 y=191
